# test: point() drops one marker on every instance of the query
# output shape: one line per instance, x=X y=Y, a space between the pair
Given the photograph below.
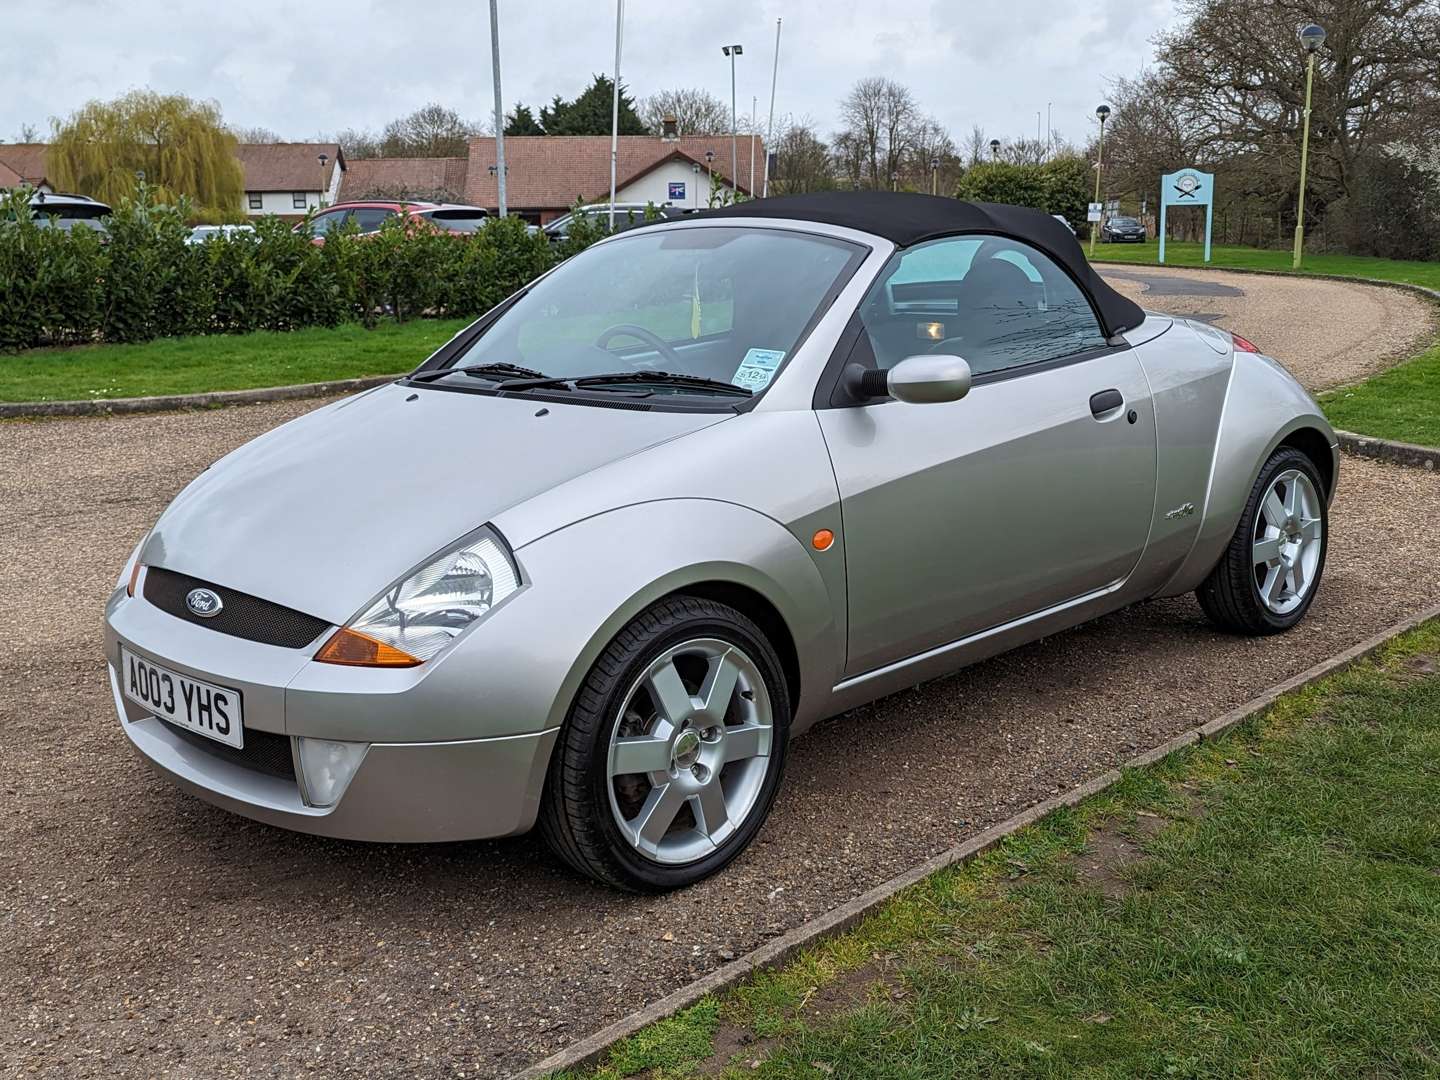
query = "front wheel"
x=673 y=751
x=1267 y=578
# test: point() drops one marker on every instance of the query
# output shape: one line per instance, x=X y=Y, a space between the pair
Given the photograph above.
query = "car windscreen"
x=458 y=220
x=69 y=211
x=1125 y=222
x=723 y=304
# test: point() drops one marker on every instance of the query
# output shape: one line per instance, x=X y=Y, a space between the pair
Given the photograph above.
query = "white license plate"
x=204 y=708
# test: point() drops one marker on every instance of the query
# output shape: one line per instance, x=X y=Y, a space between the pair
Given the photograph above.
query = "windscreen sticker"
x=757 y=369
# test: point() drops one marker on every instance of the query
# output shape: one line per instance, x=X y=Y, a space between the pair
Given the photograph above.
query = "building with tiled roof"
x=547 y=174
x=24 y=164
x=426 y=179
x=289 y=179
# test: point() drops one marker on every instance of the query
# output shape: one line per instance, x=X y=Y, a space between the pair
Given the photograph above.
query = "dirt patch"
x=843 y=994
x=1101 y=866
x=1415 y=668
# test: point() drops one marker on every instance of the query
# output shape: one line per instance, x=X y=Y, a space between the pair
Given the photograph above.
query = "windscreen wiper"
x=497 y=371
x=667 y=378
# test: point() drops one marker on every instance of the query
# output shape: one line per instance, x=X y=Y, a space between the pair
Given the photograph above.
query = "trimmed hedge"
x=62 y=286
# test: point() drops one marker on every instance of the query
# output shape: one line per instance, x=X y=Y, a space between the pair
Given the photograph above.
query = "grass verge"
x=221 y=362
x=1266 y=904
x=1402 y=403
x=1232 y=256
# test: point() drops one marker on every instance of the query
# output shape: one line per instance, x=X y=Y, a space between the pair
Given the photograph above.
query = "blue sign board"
x=677 y=189
x=1188 y=187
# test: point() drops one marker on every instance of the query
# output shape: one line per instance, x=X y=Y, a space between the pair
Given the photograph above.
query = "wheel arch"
x=759 y=609
x=1314 y=444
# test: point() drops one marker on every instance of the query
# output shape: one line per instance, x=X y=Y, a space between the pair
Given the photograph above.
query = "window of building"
x=255 y=199
x=298 y=200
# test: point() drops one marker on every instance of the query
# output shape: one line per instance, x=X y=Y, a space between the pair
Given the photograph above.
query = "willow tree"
x=180 y=147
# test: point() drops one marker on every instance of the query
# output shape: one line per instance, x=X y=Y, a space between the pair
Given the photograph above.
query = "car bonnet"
x=323 y=513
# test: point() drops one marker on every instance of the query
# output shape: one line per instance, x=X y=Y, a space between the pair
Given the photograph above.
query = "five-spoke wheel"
x=673 y=751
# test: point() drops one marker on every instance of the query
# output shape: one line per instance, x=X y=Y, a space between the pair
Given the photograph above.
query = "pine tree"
x=522 y=122
x=589 y=114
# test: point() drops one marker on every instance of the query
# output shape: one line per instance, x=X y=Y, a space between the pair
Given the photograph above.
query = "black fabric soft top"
x=907 y=218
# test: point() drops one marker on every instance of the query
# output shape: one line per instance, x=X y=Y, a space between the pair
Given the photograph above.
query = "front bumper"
x=444 y=789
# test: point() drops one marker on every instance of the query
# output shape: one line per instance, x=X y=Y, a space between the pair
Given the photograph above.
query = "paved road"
x=143 y=933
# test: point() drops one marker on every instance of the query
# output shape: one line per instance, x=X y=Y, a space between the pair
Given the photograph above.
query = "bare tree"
x=930 y=142
x=254 y=135
x=698 y=112
x=880 y=117
x=1023 y=151
x=977 y=147
x=1236 y=73
x=802 y=160
x=430 y=131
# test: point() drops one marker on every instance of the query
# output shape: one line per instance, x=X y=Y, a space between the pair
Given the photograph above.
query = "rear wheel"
x=1268 y=576
x=673 y=751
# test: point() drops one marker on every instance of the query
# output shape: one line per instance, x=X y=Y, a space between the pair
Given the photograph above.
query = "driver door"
x=1035 y=489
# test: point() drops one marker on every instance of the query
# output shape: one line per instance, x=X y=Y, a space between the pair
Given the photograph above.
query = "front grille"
x=241 y=615
x=264 y=751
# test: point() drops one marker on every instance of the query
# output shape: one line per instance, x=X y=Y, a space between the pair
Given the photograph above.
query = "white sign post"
x=1094 y=212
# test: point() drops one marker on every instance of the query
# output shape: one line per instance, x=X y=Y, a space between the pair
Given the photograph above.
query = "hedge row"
x=62 y=286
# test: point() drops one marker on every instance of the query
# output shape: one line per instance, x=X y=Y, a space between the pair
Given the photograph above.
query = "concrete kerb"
x=14 y=410
x=776 y=953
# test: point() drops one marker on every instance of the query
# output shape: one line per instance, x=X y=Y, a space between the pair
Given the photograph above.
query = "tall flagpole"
x=754 y=104
x=770 y=127
x=615 y=105
x=499 y=104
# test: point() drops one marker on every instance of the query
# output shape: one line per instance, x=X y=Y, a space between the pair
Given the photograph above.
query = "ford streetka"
x=594 y=563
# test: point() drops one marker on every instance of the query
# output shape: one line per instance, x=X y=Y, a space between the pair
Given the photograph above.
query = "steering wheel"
x=656 y=342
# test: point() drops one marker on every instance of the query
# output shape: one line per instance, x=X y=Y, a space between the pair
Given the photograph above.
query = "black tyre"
x=1270 y=572
x=672 y=753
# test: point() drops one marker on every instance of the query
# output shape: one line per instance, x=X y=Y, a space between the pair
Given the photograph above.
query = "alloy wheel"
x=690 y=750
x=1288 y=543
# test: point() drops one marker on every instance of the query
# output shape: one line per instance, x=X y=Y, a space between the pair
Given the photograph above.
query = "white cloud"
x=323 y=66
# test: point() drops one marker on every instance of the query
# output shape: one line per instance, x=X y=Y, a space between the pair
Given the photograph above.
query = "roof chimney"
x=670 y=129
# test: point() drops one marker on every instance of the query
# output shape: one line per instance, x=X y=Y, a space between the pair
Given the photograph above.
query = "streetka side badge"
x=1184 y=510
x=203 y=602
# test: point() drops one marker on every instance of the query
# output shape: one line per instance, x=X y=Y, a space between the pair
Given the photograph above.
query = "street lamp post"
x=1102 y=112
x=1312 y=37
x=324 y=187
x=894 y=180
x=934 y=176
x=732 y=51
x=994 y=149
x=710 y=177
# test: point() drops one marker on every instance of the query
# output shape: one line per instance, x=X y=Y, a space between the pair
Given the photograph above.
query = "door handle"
x=1106 y=403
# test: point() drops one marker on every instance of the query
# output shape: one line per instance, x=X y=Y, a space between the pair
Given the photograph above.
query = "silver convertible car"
x=597 y=560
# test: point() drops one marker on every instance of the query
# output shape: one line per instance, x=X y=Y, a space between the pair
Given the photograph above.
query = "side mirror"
x=920 y=380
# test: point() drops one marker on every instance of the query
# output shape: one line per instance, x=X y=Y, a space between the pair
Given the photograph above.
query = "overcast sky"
x=302 y=69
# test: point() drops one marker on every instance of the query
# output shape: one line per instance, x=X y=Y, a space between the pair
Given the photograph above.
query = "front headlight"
x=423 y=612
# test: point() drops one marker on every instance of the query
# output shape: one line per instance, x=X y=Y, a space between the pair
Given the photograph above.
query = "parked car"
x=627 y=216
x=1123 y=230
x=602 y=555
x=370 y=216
x=200 y=233
x=60 y=210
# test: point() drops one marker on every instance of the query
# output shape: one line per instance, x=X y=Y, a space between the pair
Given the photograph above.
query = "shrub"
x=1059 y=186
x=62 y=287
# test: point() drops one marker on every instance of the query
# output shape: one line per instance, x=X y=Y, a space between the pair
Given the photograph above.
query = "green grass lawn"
x=220 y=362
x=1223 y=256
x=1264 y=905
x=1402 y=403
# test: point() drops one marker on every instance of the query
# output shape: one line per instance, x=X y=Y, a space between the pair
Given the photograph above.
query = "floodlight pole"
x=615 y=105
x=732 y=51
x=499 y=105
x=770 y=126
x=1312 y=45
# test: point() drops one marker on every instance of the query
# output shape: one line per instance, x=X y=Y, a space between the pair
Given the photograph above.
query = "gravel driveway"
x=1329 y=333
x=143 y=933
